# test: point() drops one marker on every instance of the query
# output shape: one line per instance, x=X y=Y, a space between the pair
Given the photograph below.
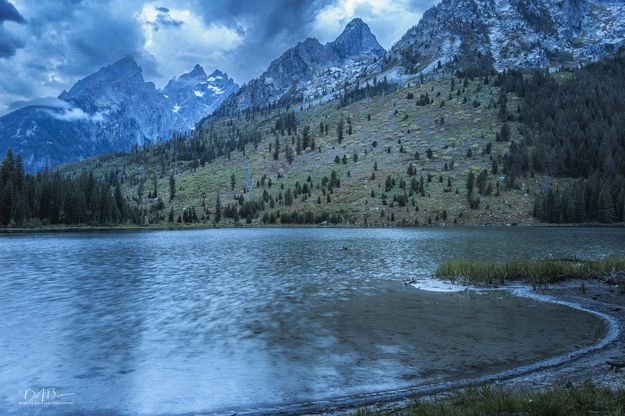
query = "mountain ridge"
x=310 y=70
x=115 y=108
x=111 y=110
x=481 y=35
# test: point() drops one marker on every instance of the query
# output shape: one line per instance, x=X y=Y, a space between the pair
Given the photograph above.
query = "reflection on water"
x=215 y=320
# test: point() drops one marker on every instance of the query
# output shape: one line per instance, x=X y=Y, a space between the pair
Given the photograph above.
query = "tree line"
x=572 y=128
x=51 y=198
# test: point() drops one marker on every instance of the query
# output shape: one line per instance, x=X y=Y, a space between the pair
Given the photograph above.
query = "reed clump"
x=538 y=272
x=585 y=399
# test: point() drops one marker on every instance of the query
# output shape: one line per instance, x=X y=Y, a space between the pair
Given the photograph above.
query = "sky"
x=47 y=45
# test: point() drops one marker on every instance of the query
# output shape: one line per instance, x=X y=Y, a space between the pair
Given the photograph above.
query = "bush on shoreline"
x=538 y=272
x=585 y=399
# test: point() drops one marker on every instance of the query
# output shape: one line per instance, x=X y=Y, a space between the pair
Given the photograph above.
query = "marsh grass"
x=538 y=272
x=585 y=399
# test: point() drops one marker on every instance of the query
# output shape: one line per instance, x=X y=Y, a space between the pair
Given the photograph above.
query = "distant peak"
x=127 y=60
x=357 y=21
x=356 y=39
x=218 y=73
x=196 y=72
x=310 y=42
x=356 y=25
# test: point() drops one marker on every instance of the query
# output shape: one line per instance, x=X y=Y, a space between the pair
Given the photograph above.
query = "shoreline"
x=581 y=364
x=190 y=227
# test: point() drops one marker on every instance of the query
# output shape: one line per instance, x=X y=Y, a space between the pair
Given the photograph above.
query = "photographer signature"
x=45 y=395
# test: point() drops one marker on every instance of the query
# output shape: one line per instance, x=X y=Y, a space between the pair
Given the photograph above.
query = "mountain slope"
x=311 y=70
x=399 y=161
x=478 y=35
x=108 y=111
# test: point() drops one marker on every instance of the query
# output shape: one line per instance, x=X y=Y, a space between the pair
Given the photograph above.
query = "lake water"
x=218 y=321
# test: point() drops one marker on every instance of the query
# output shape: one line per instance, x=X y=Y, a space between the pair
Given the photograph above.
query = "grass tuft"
x=584 y=399
x=538 y=272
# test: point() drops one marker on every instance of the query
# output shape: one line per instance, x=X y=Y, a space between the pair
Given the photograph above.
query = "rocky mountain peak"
x=122 y=70
x=217 y=74
x=311 y=71
x=127 y=62
x=196 y=72
x=123 y=74
x=356 y=39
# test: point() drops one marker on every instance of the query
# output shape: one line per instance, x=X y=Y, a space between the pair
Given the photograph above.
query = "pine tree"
x=482 y=182
x=470 y=182
x=298 y=146
x=217 y=218
x=276 y=149
x=605 y=206
x=288 y=150
x=6 y=203
x=339 y=130
x=172 y=188
x=504 y=133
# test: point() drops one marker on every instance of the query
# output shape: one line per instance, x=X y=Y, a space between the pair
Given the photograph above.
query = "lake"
x=229 y=320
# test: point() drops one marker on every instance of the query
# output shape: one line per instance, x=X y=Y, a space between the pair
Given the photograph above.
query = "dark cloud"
x=164 y=19
x=8 y=44
x=8 y=12
x=97 y=39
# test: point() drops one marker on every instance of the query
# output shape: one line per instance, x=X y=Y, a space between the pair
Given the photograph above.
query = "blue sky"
x=46 y=45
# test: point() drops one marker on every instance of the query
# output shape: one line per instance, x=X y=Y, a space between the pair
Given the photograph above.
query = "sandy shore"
x=592 y=365
x=585 y=364
x=582 y=365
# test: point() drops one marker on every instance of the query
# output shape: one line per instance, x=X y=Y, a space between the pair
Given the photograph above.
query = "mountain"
x=477 y=35
x=194 y=95
x=311 y=71
x=109 y=111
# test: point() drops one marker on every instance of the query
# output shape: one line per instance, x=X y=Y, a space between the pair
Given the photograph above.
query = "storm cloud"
x=8 y=12
x=9 y=43
x=47 y=45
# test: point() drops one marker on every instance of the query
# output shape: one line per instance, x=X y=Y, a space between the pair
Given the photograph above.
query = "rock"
x=474 y=35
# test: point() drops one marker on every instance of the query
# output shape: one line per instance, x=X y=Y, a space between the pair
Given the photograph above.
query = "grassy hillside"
x=403 y=164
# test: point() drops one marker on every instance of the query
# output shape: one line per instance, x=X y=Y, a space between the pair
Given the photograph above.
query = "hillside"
x=510 y=148
x=403 y=164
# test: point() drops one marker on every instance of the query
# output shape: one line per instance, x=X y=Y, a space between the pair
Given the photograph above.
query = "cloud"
x=268 y=28
x=64 y=41
x=50 y=102
x=177 y=38
x=9 y=42
x=75 y=114
x=8 y=12
x=59 y=109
